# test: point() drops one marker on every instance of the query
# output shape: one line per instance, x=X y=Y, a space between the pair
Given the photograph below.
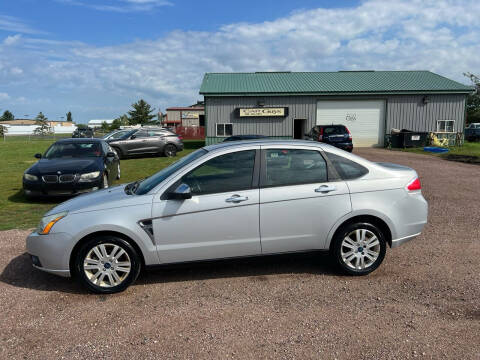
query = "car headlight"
x=30 y=177
x=47 y=222
x=89 y=176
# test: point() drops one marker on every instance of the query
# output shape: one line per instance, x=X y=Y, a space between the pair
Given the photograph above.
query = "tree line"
x=141 y=113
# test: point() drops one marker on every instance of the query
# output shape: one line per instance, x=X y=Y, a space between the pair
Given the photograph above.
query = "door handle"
x=236 y=199
x=325 y=188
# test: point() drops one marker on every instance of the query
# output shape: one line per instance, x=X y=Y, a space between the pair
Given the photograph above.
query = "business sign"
x=190 y=115
x=262 y=112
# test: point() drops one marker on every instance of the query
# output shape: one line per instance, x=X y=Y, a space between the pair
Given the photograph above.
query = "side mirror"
x=110 y=154
x=38 y=156
x=182 y=192
x=132 y=137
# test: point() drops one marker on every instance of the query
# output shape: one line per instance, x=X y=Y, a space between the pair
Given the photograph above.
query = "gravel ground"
x=422 y=302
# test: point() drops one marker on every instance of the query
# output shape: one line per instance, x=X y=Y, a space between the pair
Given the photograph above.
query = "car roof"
x=81 y=140
x=239 y=144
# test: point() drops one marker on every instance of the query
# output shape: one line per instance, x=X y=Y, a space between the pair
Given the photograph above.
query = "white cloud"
x=12 y=39
x=441 y=36
x=4 y=96
x=13 y=24
x=121 y=6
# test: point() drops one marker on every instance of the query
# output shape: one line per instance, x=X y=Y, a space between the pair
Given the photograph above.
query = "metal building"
x=286 y=105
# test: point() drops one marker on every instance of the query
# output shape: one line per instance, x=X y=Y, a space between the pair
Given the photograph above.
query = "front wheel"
x=359 y=248
x=107 y=265
x=105 y=181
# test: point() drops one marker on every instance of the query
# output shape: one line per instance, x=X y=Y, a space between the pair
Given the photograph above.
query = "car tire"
x=170 y=150
x=90 y=266
x=105 y=181
x=119 y=153
x=118 y=171
x=358 y=248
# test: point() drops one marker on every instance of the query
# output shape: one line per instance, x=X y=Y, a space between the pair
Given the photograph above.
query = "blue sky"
x=96 y=57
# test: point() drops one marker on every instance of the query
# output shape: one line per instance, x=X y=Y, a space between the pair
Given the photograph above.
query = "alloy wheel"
x=107 y=265
x=360 y=249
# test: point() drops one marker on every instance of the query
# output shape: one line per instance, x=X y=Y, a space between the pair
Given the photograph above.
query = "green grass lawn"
x=16 y=155
x=468 y=149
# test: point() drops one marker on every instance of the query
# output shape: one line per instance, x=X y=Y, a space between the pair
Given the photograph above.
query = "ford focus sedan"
x=232 y=200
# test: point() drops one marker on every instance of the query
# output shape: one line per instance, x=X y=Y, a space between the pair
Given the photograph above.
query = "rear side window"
x=285 y=167
x=347 y=169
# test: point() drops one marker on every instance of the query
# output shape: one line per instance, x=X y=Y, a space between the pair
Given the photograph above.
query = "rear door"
x=301 y=198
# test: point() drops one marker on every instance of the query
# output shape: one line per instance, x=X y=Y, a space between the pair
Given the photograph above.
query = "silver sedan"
x=233 y=200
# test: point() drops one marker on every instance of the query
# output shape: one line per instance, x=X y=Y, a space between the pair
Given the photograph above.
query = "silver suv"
x=147 y=140
x=234 y=199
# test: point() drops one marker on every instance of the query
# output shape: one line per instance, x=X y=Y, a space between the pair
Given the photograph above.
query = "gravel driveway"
x=424 y=301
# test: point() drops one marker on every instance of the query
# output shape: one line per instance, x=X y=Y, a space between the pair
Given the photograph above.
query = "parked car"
x=70 y=167
x=472 y=132
x=300 y=196
x=336 y=135
x=245 y=137
x=117 y=134
x=82 y=133
x=144 y=141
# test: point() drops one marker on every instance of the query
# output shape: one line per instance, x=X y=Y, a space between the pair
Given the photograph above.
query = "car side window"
x=285 y=167
x=224 y=173
x=347 y=169
x=141 y=134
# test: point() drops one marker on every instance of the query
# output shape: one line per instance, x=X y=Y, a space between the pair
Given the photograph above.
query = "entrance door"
x=298 y=128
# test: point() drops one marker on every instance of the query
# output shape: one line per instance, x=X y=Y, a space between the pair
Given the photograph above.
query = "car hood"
x=66 y=165
x=104 y=199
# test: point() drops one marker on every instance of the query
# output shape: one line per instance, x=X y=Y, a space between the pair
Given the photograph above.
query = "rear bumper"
x=403 y=240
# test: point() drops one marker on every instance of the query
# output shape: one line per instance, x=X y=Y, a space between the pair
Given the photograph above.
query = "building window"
x=445 y=126
x=224 y=130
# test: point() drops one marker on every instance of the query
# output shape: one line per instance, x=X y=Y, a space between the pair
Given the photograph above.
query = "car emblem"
x=59 y=172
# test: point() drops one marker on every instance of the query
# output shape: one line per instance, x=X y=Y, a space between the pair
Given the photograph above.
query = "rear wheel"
x=359 y=248
x=107 y=264
x=170 y=150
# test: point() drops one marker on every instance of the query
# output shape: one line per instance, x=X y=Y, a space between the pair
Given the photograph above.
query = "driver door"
x=221 y=220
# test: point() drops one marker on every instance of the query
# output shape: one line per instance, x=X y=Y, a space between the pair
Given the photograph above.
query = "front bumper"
x=42 y=189
x=51 y=253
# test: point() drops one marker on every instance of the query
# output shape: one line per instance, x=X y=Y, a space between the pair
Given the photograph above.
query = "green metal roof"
x=329 y=83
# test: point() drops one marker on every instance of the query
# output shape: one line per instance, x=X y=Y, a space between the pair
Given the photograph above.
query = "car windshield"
x=116 y=135
x=74 y=149
x=149 y=183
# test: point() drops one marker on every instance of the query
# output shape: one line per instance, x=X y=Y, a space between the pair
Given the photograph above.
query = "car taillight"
x=414 y=185
x=320 y=135
x=349 y=133
x=180 y=137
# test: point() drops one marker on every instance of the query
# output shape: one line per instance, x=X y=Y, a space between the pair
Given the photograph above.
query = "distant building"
x=186 y=116
x=52 y=123
x=96 y=123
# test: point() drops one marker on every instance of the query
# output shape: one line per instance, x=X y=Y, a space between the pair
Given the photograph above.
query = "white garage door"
x=364 y=119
